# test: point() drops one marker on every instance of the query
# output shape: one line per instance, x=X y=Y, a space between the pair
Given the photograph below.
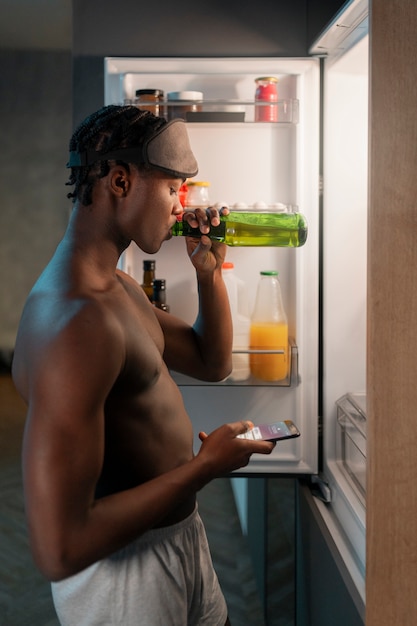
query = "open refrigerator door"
x=344 y=47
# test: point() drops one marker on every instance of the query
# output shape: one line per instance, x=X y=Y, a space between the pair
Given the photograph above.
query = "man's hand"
x=222 y=450
x=205 y=254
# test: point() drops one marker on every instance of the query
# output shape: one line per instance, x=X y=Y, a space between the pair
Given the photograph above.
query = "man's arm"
x=205 y=351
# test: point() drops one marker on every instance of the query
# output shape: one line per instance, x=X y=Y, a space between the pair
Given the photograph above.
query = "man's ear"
x=119 y=181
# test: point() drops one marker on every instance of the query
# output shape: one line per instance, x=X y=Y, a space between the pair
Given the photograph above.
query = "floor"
x=25 y=598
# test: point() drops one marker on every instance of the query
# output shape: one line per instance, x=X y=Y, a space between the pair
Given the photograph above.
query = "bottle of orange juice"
x=269 y=331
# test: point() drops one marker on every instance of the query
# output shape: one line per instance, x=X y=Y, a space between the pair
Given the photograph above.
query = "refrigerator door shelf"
x=224 y=111
x=351 y=440
x=292 y=380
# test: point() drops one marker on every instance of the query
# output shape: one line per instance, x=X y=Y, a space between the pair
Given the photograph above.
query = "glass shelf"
x=292 y=380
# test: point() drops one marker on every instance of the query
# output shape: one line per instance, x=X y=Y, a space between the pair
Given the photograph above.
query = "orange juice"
x=269 y=336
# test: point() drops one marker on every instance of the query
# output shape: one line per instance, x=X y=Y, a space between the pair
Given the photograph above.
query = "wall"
x=35 y=114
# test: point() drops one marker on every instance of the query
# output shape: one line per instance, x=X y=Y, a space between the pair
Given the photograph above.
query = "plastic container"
x=351 y=417
x=238 y=299
x=266 y=92
x=269 y=331
x=179 y=103
x=198 y=194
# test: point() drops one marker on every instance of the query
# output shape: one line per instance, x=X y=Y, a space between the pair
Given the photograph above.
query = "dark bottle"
x=253 y=228
x=148 y=278
x=159 y=294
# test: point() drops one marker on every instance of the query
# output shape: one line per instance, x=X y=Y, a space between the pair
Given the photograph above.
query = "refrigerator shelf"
x=292 y=380
x=223 y=111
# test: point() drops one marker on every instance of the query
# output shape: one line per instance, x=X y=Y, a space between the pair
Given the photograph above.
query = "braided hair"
x=109 y=128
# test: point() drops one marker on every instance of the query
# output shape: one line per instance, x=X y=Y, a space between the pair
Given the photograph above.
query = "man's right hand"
x=222 y=449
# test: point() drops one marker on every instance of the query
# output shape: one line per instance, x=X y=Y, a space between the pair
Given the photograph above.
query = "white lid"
x=185 y=95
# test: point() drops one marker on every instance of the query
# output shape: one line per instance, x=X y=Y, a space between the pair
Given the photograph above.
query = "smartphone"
x=272 y=432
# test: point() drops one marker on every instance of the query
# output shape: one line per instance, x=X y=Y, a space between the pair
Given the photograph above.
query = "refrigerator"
x=313 y=160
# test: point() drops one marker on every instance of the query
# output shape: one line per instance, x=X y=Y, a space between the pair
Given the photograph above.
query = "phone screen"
x=272 y=432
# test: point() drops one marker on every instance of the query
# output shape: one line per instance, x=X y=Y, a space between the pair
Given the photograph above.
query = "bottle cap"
x=269 y=79
x=269 y=273
x=148 y=265
x=227 y=265
x=198 y=183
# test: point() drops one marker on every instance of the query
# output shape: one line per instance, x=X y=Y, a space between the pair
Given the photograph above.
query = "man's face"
x=154 y=205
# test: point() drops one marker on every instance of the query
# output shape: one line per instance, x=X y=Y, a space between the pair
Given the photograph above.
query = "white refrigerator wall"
x=247 y=162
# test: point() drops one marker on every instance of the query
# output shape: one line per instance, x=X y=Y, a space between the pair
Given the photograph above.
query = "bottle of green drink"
x=253 y=228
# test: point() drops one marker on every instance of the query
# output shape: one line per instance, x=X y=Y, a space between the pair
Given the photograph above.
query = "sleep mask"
x=168 y=150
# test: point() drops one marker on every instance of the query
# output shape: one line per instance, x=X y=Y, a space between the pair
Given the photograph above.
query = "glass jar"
x=198 y=194
x=179 y=103
x=266 y=92
x=150 y=100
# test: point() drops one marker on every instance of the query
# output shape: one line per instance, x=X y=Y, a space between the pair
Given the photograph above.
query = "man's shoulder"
x=53 y=318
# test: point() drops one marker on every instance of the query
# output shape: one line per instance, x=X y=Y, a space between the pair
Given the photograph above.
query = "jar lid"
x=267 y=79
x=185 y=95
x=269 y=273
x=149 y=92
x=198 y=183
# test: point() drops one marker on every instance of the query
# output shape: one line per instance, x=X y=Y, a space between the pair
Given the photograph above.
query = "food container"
x=150 y=100
x=266 y=92
x=198 y=194
x=351 y=417
x=179 y=103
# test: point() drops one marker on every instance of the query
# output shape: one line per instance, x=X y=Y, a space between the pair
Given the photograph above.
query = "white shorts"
x=165 y=578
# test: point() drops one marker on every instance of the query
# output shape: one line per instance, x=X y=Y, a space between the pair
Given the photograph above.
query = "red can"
x=266 y=92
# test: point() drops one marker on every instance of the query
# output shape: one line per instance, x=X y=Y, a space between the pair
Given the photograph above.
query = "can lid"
x=198 y=183
x=269 y=273
x=149 y=92
x=269 y=79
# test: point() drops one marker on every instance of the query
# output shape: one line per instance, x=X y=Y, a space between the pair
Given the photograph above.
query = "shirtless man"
x=110 y=477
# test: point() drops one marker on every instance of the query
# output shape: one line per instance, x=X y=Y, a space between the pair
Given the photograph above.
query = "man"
x=110 y=477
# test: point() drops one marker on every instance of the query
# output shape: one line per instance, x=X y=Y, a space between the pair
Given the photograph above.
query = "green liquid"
x=247 y=228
